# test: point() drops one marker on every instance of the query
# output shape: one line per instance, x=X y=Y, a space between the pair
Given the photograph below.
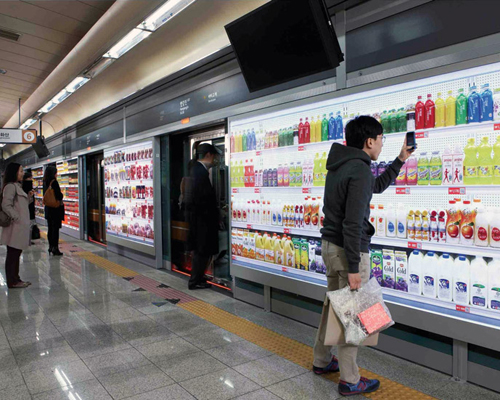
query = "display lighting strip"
x=154 y=21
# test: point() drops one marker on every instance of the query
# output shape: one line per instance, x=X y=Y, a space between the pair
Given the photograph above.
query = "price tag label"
x=421 y=135
x=344 y=142
x=302 y=148
x=496 y=127
x=414 y=245
x=456 y=190
x=306 y=190
x=284 y=269
x=286 y=230
x=258 y=153
x=249 y=226
x=256 y=190
x=403 y=190
x=464 y=309
x=235 y=190
x=233 y=257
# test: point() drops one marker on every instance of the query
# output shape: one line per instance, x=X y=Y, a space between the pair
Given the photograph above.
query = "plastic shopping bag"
x=362 y=312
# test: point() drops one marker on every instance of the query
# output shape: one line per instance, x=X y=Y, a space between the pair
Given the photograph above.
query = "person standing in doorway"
x=28 y=187
x=53 y=215
x=16 y=236
x=203 y=215
x=347 y=231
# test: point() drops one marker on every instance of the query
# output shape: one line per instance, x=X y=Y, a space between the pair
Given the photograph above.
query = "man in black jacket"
x=347 y=232
x=203 y=215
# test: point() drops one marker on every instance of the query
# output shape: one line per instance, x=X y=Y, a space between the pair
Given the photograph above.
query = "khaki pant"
x=336 y=273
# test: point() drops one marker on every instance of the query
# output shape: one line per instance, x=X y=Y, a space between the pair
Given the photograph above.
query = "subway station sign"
x=17 y=136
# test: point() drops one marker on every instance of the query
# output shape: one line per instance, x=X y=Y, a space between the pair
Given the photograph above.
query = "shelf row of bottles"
x=455 y=279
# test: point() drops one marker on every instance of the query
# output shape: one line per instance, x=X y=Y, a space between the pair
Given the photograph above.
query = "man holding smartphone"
x=347 y=232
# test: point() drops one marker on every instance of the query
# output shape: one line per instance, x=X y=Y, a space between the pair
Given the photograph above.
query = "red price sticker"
x=258 y=153
x=344 y=143
x=233 y=257
x=235 y=190
x=402 y=190
x=496 y=127
x=306 y=190
x=249 y=226
x=421 y=135
x=302 y=148
x=286 y=230
x=456 y=190
x=284 y=269
x=414 y=245
x=256 y=190
x=464 y=309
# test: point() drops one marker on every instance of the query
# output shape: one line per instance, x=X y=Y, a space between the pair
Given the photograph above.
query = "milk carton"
x=479 y=282
x=445 y=277
x=461 y=281
x=415 y=272
x=494 y=284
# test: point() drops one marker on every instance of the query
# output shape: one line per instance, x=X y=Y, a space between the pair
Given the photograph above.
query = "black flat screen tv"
x=284 y=40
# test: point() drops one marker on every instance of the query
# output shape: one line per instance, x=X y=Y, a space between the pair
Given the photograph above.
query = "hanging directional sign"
x=17 y=136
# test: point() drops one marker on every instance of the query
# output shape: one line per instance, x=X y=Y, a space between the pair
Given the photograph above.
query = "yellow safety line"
x=290 y=349
x=44 y=236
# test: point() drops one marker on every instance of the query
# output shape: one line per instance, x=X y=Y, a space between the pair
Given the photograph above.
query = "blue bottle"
x=473 y=105
x=486 y=110
x=339 y=126
x=332 y=130
x=249 y=140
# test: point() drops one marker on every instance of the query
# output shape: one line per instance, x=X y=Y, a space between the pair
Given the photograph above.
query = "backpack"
x=49 y=198
x=5 y=220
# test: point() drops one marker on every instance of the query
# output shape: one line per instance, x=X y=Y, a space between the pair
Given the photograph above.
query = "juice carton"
x=320 y=265
x=251 y=244
x=304 y=255
x=245 y=244
x=447 y=167
x=296 y=246
x=388 y=269
x=467 y=224
x=458 y=166
x=240 y=242
x=401 y=271
x=234 y=242
x=312 y=255
x=376 y=265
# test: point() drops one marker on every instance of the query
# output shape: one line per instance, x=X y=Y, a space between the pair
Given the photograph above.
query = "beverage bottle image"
x=301 y=132
x=410 y=225
x=485 y=162
x=401 y=178
x=280 y=175
x=495 y=227
x=436 y=168
x=323 y=169
x=324 y=127
x=470 y=163
x=393 y=121
x=315 y=214
x=494 y=284
x=426 y=226
x=374 y=167
x=289 y=140
x=278 y=252
x=276 y=140
x=440 y=112
x=451 y=109
x=339 y=126
x=289 y=253
x=467 y=224
x=381 y=225
x=423 y=169
x=429 y=272
x=251 y=174
x=254 y=140
x=384 y=121
x=292 y=171
x=391 y=221
x=401 y=221
x=275 y=177
x=458 y=166
x=318 y=130
x=473 y=105
x=462 y=108
x=419 y=114
x=307 y=213
x=233 y=140
x=445 y=277
x=461 y=279
x=296 y=135
x=281 y=138
x=286 y=175
x=316 y=171
x=313 y=130
x=373 y=218
x=402 y=125
x=332 y=133
x=442 y=226
x=496 y=162
x=307 y=132
x=486 y=104
x=496 y=104
x=430 y=112
x=298 y=174
x=412 y=171
x=447 y=167
x=479 y=282
x=381 y=167
x=415 y=272
x=244 y=142
x=269 y=248
x=388 y=269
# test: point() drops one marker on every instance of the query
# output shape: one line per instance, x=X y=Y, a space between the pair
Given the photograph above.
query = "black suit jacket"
x=54 y=215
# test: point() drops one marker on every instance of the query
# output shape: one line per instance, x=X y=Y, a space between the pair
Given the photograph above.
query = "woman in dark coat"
x=54 y=216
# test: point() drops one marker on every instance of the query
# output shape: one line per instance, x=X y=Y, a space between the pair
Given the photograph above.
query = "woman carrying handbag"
x=54 y=208
x=15 y=235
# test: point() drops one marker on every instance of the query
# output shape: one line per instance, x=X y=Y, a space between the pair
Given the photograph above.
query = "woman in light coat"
x=16 y=236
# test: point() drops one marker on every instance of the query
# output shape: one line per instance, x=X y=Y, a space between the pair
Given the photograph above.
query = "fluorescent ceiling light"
x=130 y=40
x=98 y=67
x=164 y=13
x=47 y=107
x=59 y=97
x=76 y=84
x=28 y=123
x=2 y=145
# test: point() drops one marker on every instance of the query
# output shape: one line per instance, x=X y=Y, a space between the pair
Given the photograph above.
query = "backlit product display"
x=128 y=177
x=67 y=176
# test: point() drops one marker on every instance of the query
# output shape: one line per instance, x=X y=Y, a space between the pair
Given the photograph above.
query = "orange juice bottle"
x=453 y=223
x=314 y=214
x=467 y=224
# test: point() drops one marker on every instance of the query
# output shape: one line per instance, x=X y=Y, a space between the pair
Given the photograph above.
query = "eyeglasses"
x=383 y=138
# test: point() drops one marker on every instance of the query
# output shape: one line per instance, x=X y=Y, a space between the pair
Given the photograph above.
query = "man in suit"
x=203 y=215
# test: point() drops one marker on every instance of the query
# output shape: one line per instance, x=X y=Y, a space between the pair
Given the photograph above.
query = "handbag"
x=49 y=198
x=5 y=220
x=35 y=233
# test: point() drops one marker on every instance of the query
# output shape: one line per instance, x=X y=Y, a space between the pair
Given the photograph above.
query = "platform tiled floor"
x=82 y=331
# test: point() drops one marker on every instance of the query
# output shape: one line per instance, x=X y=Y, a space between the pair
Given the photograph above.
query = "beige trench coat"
x=15 y=205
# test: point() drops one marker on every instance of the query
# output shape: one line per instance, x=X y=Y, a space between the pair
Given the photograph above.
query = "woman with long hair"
x=16 y=236
x=53 y=215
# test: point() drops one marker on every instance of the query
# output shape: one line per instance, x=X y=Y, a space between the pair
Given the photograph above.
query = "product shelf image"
x=67 y=171
x=278 y=229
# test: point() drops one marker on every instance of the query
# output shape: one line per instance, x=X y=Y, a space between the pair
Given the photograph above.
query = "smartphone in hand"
x=410 y=140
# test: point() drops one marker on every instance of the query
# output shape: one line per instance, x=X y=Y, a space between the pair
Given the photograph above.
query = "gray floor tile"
x=30 y=345
x=209 y=337
x=270 y=370
x=7 y=360
x=161 y=351
x=238 y=353
x=190 y=366
x=119 y=361
x=305 y=387
x=88 y=390
x=15 y=393
x=100 y=345
x=46 y=359
x=135 y=381
x=141 y=331
x=261 y=394
x=41 y=380
x=221 y=385
x=120 y=314
x=459 y=390
x=172 y=392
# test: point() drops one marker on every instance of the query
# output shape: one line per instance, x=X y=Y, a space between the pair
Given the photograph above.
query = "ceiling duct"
x=9 y=35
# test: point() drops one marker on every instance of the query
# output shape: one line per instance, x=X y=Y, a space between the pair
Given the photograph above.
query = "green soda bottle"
x=436 y=168
x=402 y=120
x=461 y=107
x=423 y=169
x=244 y=141
x=393 y=121
x=384 y=121
x=324 y=129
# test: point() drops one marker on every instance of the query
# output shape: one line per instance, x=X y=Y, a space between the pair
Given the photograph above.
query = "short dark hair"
x=27 y=175
x=10 y=174
x=361 y=128
x=204 y=149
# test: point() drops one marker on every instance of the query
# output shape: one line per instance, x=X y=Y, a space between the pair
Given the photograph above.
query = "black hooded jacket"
x=348 y=191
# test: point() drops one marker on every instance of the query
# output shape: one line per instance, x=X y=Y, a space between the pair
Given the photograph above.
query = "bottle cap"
x=430 y=253
x=452 y=202
x=450 y=92
x=429 y=96
x=462 y=258
x=445 y=255
x=419 y=97
x=466 y=201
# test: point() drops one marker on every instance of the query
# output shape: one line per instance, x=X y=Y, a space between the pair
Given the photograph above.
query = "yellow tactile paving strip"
x=283 y=346
x=44 y=236
x=110 y=266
